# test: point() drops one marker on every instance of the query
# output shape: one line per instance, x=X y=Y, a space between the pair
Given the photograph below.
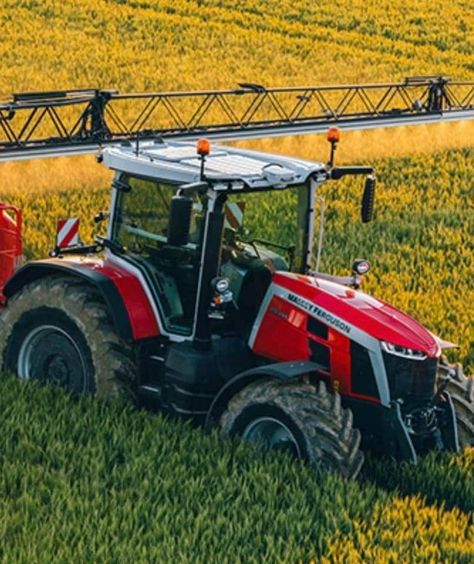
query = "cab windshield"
x=263 y=232
x=271 y=224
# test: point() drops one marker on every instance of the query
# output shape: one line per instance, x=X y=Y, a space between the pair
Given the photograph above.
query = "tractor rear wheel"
x=305 y=421
x=461 y=390
x=58 y=330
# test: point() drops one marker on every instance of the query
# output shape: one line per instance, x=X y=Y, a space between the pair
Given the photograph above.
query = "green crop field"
x=163 y=45
x=88 y=481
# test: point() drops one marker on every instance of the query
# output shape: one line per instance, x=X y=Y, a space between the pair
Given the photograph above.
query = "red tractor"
x=181 y=309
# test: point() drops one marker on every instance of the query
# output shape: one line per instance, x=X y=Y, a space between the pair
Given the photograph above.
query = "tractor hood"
x=341 y=306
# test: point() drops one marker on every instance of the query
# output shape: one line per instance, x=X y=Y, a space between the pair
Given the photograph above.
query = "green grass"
x=441 y=478
x=84 y=481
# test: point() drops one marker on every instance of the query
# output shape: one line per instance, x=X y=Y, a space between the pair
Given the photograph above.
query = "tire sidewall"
x=48 y=316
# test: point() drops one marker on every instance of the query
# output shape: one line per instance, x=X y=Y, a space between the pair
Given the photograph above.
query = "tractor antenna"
x=137 y=144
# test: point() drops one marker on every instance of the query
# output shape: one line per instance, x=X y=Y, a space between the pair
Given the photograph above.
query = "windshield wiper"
x=290 y=249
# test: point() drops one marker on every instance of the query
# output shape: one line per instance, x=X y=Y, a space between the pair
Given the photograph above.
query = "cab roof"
x=178 y=163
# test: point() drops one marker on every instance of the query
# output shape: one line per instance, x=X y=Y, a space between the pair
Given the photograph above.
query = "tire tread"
x=112 y=358
x=331 y=441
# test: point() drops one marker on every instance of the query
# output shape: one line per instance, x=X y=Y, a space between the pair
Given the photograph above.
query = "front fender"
x=280 y=370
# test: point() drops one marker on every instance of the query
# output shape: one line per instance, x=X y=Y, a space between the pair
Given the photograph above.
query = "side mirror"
x=101 y=216
x=368 y=200
x=179 y=220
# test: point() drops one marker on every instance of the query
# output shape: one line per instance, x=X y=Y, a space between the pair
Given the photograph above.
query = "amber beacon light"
x=203 y=147
x=333 y=135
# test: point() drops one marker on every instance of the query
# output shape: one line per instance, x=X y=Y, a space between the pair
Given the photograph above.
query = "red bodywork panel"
x=282 y=333
x=142 y=317
x=283 y=336
x=375 y=317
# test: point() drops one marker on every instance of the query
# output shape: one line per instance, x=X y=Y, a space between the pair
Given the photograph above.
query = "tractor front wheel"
x=58 y=330
x=305 y=421
x=461 y=390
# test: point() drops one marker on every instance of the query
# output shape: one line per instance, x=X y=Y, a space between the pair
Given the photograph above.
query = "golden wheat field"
x=83 y=481
x=164 y=45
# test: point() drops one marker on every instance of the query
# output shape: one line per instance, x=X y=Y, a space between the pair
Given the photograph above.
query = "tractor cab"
x=185 y=220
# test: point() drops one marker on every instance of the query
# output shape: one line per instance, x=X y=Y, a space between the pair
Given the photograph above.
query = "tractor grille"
x=414 y=381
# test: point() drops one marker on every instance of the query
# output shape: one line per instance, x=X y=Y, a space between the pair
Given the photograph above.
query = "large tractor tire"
x=58 y=330
x=461 y=389
x=306 y=421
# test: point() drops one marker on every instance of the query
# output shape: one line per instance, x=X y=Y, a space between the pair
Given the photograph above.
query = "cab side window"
x=143 y=214
x=141 y=222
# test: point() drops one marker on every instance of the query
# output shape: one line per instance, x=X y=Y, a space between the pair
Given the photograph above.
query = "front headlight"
x=403 y=352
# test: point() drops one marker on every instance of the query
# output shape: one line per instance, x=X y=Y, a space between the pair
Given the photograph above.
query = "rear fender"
x=281 y=371
x=131 y=321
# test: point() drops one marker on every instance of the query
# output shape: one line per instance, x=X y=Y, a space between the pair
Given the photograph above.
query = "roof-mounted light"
x=203 y=147
x=333 y=135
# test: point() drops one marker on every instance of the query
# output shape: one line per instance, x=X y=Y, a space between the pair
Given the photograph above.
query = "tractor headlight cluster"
x=403 y=352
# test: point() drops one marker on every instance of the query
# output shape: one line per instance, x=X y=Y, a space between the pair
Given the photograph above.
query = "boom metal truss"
x=75 y=122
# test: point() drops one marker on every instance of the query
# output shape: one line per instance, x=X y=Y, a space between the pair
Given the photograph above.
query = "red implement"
x=11 y=243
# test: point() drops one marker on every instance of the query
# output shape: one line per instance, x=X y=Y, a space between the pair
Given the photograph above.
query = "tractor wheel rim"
x=272 y=434
x=49 y=353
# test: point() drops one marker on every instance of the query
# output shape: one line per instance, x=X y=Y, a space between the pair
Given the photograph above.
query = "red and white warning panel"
x=234 y=215
x=67 y=234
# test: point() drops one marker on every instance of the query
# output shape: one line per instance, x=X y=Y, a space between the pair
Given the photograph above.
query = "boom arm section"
x=42 y=124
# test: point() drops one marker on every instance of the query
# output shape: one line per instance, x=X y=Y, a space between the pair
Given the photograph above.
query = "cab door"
x=140 y=230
